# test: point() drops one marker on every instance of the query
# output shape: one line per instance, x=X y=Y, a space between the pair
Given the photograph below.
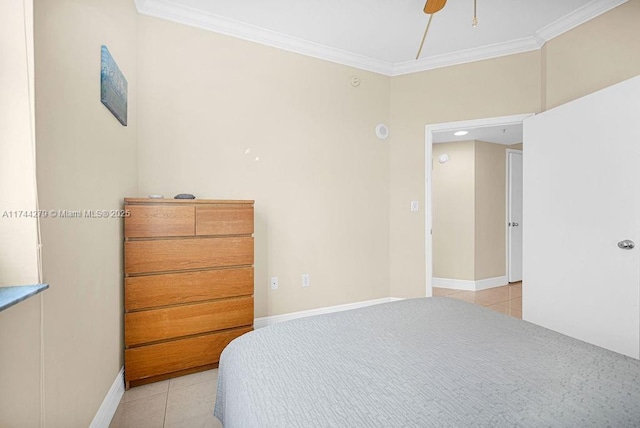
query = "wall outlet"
x=274 y=282
x=305 y=280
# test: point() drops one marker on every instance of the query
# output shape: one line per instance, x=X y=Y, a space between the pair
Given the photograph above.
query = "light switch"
x=415 y=206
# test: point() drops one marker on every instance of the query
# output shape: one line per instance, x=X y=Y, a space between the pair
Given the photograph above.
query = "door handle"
x=627 y=244
x=515 y=224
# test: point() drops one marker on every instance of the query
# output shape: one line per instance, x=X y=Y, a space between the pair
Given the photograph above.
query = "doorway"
x=431 y=132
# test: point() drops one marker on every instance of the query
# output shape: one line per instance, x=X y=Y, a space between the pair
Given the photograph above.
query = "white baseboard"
x=454 y=284
x=274 y=319
x=461 y=284
x=109 y=405
x=499 y=281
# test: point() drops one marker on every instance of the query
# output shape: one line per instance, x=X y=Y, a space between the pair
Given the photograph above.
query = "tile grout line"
x=501 y=301
x=166 y=405
x=169 y=389
x=191 y=384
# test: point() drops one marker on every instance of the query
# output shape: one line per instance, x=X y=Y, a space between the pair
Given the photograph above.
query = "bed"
x=422 y=363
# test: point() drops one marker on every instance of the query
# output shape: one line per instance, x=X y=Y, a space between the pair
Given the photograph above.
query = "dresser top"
x=184 y=201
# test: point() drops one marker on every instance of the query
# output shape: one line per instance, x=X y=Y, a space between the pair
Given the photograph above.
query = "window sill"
x=9 y=296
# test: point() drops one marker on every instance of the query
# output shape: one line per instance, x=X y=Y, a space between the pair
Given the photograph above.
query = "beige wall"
x=469 y=210
x=600 y=53
x=453 y=211
x=19 y=325
x=590 y=57
x=490 y=210
x=85 y=160
x=322 y=183
x=497 y=87
x=331 y=199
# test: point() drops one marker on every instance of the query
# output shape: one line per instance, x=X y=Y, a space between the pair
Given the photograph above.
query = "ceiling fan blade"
x=430 y=7
x=433 y=6
x=425 y=35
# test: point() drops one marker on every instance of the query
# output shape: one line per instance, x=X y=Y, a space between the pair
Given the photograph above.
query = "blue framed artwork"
x=113 y=87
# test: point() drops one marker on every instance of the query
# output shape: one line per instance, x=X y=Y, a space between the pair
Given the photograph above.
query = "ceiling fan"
x=431 y=7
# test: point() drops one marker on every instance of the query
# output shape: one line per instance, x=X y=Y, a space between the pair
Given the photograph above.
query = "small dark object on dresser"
x=184 y=196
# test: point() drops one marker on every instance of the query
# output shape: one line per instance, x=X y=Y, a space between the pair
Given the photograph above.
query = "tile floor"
x=185 y=402
x=188 y=401
x=506 y=299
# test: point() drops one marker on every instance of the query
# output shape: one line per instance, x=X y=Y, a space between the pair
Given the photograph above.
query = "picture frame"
x=113 y=86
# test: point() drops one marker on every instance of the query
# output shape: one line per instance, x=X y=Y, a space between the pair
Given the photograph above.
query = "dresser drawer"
x=166 y=255
x=168 y=357
x=170 y=289
x=168 y=323
x=150 y=221
x=224 y=219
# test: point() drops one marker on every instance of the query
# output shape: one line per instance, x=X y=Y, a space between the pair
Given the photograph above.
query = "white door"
x=514 y=217
x=581 y=199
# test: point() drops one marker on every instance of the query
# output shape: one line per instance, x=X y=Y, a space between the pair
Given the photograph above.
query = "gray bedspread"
x=432 y=362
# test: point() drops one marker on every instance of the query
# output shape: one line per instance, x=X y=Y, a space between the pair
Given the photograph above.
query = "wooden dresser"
x=188 y=287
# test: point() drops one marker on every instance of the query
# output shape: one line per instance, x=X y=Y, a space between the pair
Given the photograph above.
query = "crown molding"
x=577 y=17
x=468 y=55
x=171 y=11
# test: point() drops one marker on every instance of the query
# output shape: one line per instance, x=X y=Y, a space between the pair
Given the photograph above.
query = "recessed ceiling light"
x=460 y=133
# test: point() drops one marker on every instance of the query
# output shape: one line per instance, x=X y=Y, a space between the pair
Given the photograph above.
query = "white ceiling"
x=384 y=35
x=499 y=134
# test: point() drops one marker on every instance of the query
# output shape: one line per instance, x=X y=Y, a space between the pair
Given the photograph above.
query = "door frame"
x=428 y=168
x=508 y=211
